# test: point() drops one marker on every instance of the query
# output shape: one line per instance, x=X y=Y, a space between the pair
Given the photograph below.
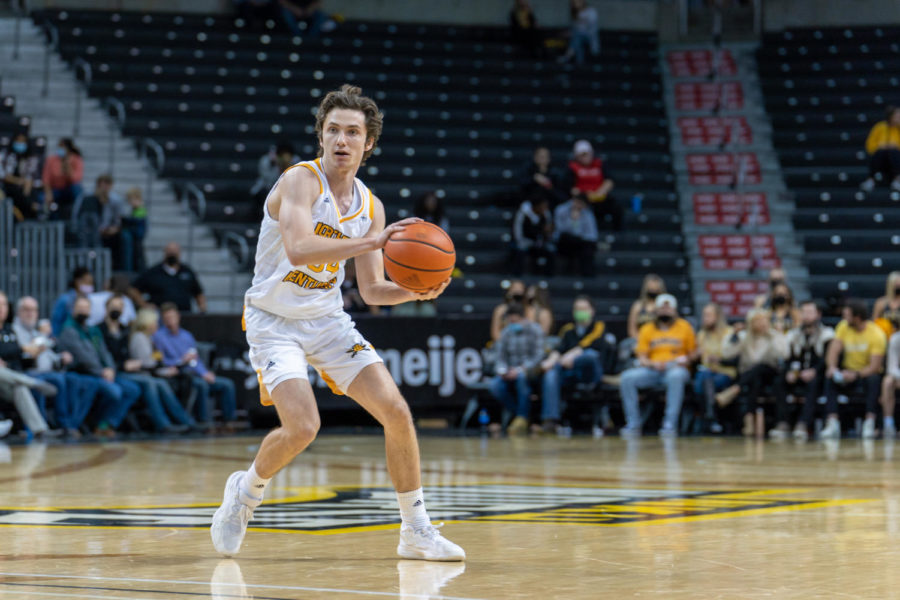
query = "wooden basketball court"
x=539 y=518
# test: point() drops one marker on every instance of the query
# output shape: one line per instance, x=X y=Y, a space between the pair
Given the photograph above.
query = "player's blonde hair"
x=350 y=97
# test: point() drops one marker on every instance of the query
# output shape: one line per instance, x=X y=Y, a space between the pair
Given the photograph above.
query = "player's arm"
x=373 y=287
x=293 y=202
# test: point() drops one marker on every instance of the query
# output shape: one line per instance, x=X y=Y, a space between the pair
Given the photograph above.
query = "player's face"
x=344 y=138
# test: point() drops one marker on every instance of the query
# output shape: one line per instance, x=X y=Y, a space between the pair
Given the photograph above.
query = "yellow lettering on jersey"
x=328 y=231
x=304 y=281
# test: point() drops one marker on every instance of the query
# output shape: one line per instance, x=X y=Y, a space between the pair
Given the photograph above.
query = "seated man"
x=575 y=234
x=579 y=357
x=179 y=349
x=589 y=176
x=91 y=357
x=664 y=349
x=803 y=373
x=890 y=385
x=863 y=346
x=519 y=351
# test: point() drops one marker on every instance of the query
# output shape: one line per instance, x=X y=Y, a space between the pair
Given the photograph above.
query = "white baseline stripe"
x=19 y=592
x=295 y=588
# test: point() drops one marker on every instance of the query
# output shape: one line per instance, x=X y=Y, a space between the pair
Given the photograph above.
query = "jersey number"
x=332 y=268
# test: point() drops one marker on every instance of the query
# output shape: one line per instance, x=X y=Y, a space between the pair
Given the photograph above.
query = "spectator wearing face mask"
x=62 y=177
x=665 y=347
x=643 y=310
x=579 y=358
x=81 y=284
x=20 y=177
x=515 y=294
x=519 y=352
x=776 y=276
x=169 y=281
x=784 y=313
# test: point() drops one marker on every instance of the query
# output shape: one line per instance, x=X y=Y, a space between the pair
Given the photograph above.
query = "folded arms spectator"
x=169 y=281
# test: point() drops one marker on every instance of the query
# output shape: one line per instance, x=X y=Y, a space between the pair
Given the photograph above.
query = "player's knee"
x=301 y=435
x=396 y=414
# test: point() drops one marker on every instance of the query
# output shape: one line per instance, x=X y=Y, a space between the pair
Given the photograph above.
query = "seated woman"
x=515 y=294
x=783 y=309
x=886 y=312
x=759 y=349
x=643 y=310
x=713 y=375
x=538 y=309
x=883 y=148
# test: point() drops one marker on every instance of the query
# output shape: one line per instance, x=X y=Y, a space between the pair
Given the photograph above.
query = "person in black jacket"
x=523 y=29
x=541 y=178
x=533 y=237
x=579 y=357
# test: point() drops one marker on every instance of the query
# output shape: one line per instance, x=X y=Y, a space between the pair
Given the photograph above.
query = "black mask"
x=779 y=300
x=516 y=297
x=115 y=314
x=81 y=319
x=774 y=282
x=171 y=260
x=665 y=319
x=652 y=295
x=897 y=291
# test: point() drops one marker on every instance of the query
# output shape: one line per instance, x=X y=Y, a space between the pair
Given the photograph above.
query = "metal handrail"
x=148 y=145
x=20 y=8
x=84 y=66
x=53 y=34
x=244 y=256
x=114 y=104
x=191 y=190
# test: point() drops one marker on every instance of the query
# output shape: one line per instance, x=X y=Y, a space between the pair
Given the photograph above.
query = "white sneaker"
x=890 y=432
x=868 y=429
x=427 y=543
x=5 y=427
x=832 y=430
x=229 y=524
x=227 y=581
x=801 y=434
x=778 y=434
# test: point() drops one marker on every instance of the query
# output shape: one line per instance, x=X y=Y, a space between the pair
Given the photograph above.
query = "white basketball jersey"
x=308 y=291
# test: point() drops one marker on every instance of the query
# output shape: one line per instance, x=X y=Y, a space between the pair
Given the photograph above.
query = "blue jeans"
x=223 y=388
x=586 y=369
x=516 y=402
x=116 y=398
x=720 y=381
x=314 y=23
x=65 y=199
x=673 y=378
x=580 y=40
x=159 y=398
x=74 y=396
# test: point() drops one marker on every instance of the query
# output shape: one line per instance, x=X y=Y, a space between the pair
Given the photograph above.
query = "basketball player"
x=318 y=215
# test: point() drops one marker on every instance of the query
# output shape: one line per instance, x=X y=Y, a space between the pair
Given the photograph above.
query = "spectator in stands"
x=585 y=32
x=643 y=310
x=519 y=352
x=575 y=232
x=777 y=276
x=156 y=393
x=99 y=220
x=429 y=207
x=538 y=308
x=890 y=385
x=20 y=177
x=578 y=358
x=117 y=285
x=588 y=176
x=179 y=349
x=515 y=294
x=803 y=373
x=308 y=12
x=169 y=281
x=886 y=312
x=665 y=348
x=82 y=283
x=541 y=178
x=92 y=357
x=134 y=224
x=63 y=172
x=854 y=361
x=271 y=166
x=524 y=30
x=14 y=384
x=883 y=148
x=533 y=237
x=760 y=350
x=784 y=313
x=713 y=373
x=75 y=392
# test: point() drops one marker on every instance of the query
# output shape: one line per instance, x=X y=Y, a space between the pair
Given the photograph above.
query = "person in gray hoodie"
x=91 y=357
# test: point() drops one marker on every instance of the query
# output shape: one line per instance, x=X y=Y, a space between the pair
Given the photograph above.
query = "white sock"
x=412 y=508
x=889 y=421
x=254 y=485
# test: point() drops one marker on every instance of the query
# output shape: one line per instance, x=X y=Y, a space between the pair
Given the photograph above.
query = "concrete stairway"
x=98 y=136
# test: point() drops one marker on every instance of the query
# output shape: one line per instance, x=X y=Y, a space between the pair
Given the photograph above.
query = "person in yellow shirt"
x=854 y=361
x=665 y=348
x=883 y=148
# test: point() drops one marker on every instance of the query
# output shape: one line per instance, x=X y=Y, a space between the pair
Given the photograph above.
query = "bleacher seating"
x=463 y=113
x=824 y=89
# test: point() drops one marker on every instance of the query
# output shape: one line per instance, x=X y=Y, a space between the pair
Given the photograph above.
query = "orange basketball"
x=419 y=258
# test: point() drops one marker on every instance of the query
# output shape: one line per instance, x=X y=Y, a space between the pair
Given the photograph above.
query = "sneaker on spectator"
x=868 y=429
x=779 y=433
x=832 y=430
x=519 y=426
x=868 y=185
x=668 y=432
x=630 y=432
x=801 y=434
x=890 y=432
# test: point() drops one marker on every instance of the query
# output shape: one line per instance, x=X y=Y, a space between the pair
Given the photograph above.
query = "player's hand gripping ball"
x=419 y=258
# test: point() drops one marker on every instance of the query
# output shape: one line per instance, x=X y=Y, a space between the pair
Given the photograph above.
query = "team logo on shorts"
x=357 y=348
x=340 y=509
